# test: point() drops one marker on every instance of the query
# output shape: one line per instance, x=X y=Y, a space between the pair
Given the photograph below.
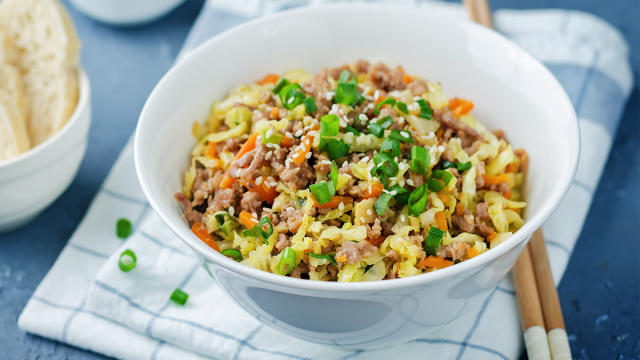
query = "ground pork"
x=297 y=177
x=374 y=233
x=392 y=254
x=480 y=171
x=258 y=161
x=318 y=87
x=464 y=222
x=362 y=66
x=283 y=242
x=202 y=186
x=484 y=228
x=353 y=252
x=323 y=164
x=190 y=214
x=291 y=217
x=447 y=119
x=224 y=198
x=456 y=250
x=251 y=202
x=385 y=78
x=482 y=211
x=300 y=271
x=418 y=87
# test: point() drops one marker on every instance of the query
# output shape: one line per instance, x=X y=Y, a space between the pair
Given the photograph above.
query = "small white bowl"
x=125 y=12
x=511 y=91
x=33 y=180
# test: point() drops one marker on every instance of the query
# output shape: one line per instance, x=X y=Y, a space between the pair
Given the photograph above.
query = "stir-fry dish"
x=356 y=173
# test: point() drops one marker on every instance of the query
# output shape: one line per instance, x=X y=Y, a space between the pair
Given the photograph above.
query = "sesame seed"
x=441 y=148
x=369 y=212
x=345 y=164
x=231 y=210
x=325 y=162
x=404 y=134
x=288 y=134
x=271 y=180
x=341 y=206
x=291 y=100
x=376 y=94
x=402 y=218
x=401 y=120
x=365 y=159
x=299 y=133
x=308 y=155
x=269 y=133
x=363 y=117
x=410 y=182
x=387 y=191
x=362 y=219
x=417 y=98
x=329 y=95
x=268 y=155
x=259 y=180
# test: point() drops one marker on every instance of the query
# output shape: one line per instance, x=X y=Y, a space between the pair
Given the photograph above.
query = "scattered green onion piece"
x=402 y=107
x=401 y=194
x=233 y=253
x=291 y=96
x=282 y=83
x=329 y=125
x=388 y=101
x=447 y=164
x=310 y=105
x=418 y=200
x=439 y=179
x=385 y=165
x=381 y=204
x=336 y=148
x=385 y=122
x=226 y=222
x=287 y=261
x=420 y=160
x=329 y=257
x=432 y=242
x=257 y=230
x=391 y=146
x=179 y=297
x=352 y=130
x=333 y=175
x=401 y=135
x=127 y=260
x=464 y=166
x=425 y=110
x=123 y=228
x=344 y=76
x=376 y=129
x=346 y=94
x=274 y=138
x=321 y=192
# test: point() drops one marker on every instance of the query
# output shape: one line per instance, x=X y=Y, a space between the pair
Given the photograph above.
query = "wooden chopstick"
x=536 y=293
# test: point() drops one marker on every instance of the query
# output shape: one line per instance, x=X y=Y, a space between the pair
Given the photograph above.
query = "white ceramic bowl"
x=33 y=180
x=511 y=90
x=126 y=12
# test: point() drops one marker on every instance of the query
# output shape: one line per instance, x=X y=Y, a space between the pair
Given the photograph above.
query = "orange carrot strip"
x=434 y=262
x=286 y=141
x=373 y=190
x=212 y=150
x=495 y=179
x=507 y=195
x=407 y=79
x=512 y=167
x=442 y=221
x=492 y=236
x=300 y=153
x=202 y=233
x=269 y=79
x=443 y=197
x=266 y=193
x=334 y=202
x=459 y=209
x=247 y=219
x=473 y=252
x=250 y=144
x=460 y=107
x=275 y=113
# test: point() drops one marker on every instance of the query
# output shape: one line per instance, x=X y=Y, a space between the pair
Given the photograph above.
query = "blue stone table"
x=599 y=292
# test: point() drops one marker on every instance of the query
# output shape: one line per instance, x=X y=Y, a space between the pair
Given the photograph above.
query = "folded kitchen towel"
x=86 y=301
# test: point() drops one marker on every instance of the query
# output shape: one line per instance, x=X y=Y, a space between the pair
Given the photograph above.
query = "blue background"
x=599 y=292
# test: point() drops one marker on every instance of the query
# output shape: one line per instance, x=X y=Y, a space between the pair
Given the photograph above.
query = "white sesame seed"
x=259 y=180
x=231 y=210
x=341 y=206
x=363 y=117
x=325 y=162
x=271 y=180
x=296 y=155
x=329 y=95
x=365 y=159
x=268 y=155
x=376 y=94
x=308 y=155
x=404 y=134
x=410 y=182
x=298 y=133
x=417 y=98
x=369 y=212
x=441 y=148
x=345 y=163
x=288 y=134
x=362 y=219
x=291 y=100
x=387 y=191
x=269 y=133
x=402 y=218
x=343 y=123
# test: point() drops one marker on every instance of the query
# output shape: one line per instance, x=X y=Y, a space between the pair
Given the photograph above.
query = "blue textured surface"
x=599 y=292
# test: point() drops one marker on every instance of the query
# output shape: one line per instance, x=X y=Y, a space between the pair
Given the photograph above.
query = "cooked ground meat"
x=353 y=252
x=299 y=271
x=484 y=228
x=480 y=171
x=292 y=217
x=202 y=186
x=283 y=242
x=464 y=222
x=257 y=161
x=297 y=177
x=456 y=250
x=392 y=254
x=362 y=66
x=418 y=87
x=387 y=79
x=318 y=88
x=224 y=198
x=447 y=119
x=190 y=214
x=374 y=232
x=251 y=202
x=482 y=211
x=323 y=164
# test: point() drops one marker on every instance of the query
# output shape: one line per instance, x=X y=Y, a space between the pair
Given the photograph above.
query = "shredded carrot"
x=399 y=67
x=442 y=221
x=512 y=167
x=269 y=79
x=341 y=258
x=275 y=113
x=250 y=144
x=266 y=193
x=247 y=219
x=334 y=202
x=373 y=190
x=443 y=197
x=459 y=209
x=434 y=262
x=306 y=251
x=472 y=252
x=507 y=195
x=202 y=233
x=460 y=107
x=286 y=141
x=407 y=79
x=492 y=236
x=212 y=150
x=495 y=179
x=439 y=133
x=515 y=210
x=300 y=153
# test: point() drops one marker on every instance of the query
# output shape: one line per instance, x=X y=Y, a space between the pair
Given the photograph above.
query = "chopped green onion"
x=329 y=257
x=381 y=204
x=127 y=260
x=391 y=146
x=226 y=222
x=282 y=83
x=432 y=242
x=447 y=164
x=425 y=109
x=310 y=105
x=351 y=129
x=439 y=179
x=179 y=297
x=420 y=160
x=458 y=165
x=321 y=192
x=329 y=125
x=464 y=166
x=401 y=135
x=401 y=194
x=385 y=122
x=291 y=96
x=344 y=76
x=385 y=165
x=418 y=200
x=377 y=128
x=123 y=228
x=274 y=138
x=287 y=261
x=402 y=107
x=333 y=175
x=346 y=94
x=336 y=148
x=257 y=230
x=233 y=253
x=388 y=101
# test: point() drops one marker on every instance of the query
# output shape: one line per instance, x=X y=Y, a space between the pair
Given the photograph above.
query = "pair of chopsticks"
x=536 y=293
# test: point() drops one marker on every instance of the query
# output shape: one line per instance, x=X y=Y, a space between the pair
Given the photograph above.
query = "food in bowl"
x=357 y=173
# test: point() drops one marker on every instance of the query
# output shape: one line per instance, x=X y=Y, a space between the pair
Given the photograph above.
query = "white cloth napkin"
x=86 y=301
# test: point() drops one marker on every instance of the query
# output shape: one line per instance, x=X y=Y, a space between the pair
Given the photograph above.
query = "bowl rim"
x=84 y=89
x=332 y=288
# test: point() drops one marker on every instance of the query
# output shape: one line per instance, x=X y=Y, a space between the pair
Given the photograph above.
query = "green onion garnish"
x=381 y=204
x=127 y=260
x=274 y=138
x=179 y=297
x=401 y=135
x=391 y=146
x=226 y=222
x=257 y=230
x=346 y=94
x=310 y=105
x=447 y=164
x=464 y=166
x=291 y=96
x=425 y=109
x=321 y=192
x=385 y=122
x=123 y=228
x=418 y=200
x=329 y=125
x=330 y=257
x=233 y=253
x=402 y=107
x=336 y=148
x=344 y=76
x=385 y=165
x=282 y=83
x=401 y=194
x=333 y=175
x=388 y=101
x=420 y=160
x=439 y=179
x=377 y=128
x=287 y=261
x=351 y=129
x=458 y=165
x=432 y=242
